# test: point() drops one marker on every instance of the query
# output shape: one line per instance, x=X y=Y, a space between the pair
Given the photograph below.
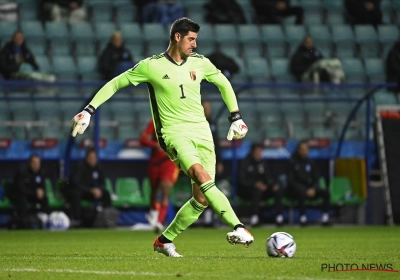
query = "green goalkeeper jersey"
x=174 y=93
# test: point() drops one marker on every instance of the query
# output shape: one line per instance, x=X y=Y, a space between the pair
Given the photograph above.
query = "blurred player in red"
x=163 y=174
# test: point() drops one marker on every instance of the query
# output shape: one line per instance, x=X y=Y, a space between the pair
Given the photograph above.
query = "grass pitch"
x=123 y=254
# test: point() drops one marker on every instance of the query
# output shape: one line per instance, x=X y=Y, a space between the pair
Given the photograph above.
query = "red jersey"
x=149 y=139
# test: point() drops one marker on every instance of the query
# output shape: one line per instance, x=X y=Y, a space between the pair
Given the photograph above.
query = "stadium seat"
x=107 y=133
x=154 y=32
x=87 y=66
x=388 y=33
x=82 y=32
x=335 y=18
x=225 y=33
x=206 y=35
x=375 y=69
x=197 y=15
x=57 y=31
x=126 y=13
x=311 y=4
x=101 y=11
x=193 y=4
x=154 y=49
x=354 y=70
x=313 y=18
x=181 y=191
x=342 y=34
x=272 y=34
x=64 y=67
x=300 y=132
x=320 y=34
x=28 y=11
x=367 y=39
x=33 y=31
x=332 y=5
x=384 y=98
x=294 y=33
x=85 y=48
x=341 y=192
x=6 y=30
x=104 y=30
x=274 y=131
x=240 y=77
x=205 y=49
x=253 y=50
x=258 y=70
x=248 y=34
x=37 y=48
x=319 y=131
x=127 y=132
x=128 y=193
x=343 y=38
x=60 y=48
x=280 y=70
x=53 y=132
x=131 y=32
x=136 y=49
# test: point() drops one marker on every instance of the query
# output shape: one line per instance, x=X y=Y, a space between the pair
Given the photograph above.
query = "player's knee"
x=165 y=186
x=201 y=199
x=198 y=174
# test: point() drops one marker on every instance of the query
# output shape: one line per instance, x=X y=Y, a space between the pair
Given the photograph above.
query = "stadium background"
x=35 y=116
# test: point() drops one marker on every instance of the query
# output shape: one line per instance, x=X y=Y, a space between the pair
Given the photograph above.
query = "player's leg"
x=152 y=216
x=203 y=175
x=324 y=194
x=168 y=176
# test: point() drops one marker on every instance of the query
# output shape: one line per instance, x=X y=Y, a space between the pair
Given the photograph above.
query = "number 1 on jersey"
x=183 y=94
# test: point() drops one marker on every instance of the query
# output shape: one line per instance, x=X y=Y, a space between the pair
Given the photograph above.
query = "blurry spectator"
x=224 y=11
x=29 y=188
x=393 y=66
x=224 y=63
x=115 y=59
x=87 y=182
x=257 y=184
x=364 y=11
x=17 y=61
x=303 y=183
x=270 y=11
x=308 y=64
x=162 y=11
x=71 y=11
x=8 y=10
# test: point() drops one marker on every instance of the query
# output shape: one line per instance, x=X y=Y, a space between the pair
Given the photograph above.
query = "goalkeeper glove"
x=238 y=128
x=81 y=121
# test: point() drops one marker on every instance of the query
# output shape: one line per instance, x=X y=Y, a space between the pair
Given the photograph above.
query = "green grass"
x=122 y=254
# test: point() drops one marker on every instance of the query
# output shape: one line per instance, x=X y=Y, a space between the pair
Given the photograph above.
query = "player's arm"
x=238 y=128
x=147 y=135
x=135 y=76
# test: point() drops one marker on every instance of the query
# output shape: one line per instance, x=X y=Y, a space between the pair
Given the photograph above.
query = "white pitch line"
x=142 y=273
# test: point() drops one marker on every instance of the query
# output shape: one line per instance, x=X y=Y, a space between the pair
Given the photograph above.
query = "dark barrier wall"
x=138 y=169
x=391 y=130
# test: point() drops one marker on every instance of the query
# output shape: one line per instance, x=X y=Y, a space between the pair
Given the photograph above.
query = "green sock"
x=186 y=216
x=219 y=203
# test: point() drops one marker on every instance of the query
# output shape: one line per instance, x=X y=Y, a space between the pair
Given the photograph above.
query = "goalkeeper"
x=173 y=80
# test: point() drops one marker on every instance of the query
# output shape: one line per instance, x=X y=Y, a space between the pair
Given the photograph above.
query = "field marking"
x=155 y=274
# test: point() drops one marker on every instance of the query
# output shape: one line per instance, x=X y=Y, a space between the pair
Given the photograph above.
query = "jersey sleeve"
x=139 y=73
x=213 y=75
x=146 y=139
x=135 y=76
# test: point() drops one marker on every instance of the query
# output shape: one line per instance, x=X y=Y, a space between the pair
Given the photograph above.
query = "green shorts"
x=185 y=152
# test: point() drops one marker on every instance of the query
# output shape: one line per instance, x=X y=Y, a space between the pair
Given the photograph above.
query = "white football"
x=281 y=245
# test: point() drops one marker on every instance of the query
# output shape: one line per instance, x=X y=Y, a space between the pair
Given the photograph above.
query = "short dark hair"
x=183 y=26
x=301 y=142
x=32 y=157
x=255 y=146
x=89 y=151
